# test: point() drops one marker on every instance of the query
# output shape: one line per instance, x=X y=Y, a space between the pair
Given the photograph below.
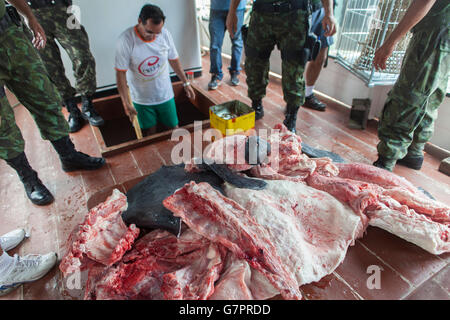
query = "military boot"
x=89 y=113
x=291 y=117
x=413 y=162
x=383 y=163
x=73 y=160
x=259 y=110
x=75 y=120
x=35 y=190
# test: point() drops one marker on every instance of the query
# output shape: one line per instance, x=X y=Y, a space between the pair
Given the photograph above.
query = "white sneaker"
x=26 y=269
x=12 y=239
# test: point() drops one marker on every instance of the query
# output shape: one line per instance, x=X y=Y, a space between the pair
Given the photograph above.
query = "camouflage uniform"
x=23 y=72
x=288 y=31
x=54 y=19
x=407 y=122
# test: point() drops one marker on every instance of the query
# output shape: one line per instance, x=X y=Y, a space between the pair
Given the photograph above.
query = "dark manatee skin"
x=145 y=208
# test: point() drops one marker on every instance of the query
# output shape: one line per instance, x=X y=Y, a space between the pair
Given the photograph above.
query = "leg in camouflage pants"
x=76 y=43
x=407 y=122
x=288 y=31
x=23 y=72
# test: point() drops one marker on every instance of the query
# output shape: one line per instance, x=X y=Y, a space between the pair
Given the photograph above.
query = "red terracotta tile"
x=412 y=262
x=328 y=288
x=123 y=167
x=430 y=290
x=70 y=207
x=46 y=288
x=14 y=295
x=147 y=159
x=127 y=185
x=443 y=278
x=164 y=149
x=356 y=272
x=97 y=179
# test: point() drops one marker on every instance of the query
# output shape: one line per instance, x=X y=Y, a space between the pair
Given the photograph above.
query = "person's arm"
x=39 y=38
x=417 y=10
x=232 y=17
x=122 y=87
x=328 y=21
x=176 y=66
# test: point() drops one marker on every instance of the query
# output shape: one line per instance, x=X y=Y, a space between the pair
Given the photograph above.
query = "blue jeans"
x=217 y=28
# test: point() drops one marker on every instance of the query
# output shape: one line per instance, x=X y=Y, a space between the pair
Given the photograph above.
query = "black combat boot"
x=384 y=163
x=75 y=120
x=259 y=110
x=73 y=160
x=312 y=102
x=89 y=113
x=35 y=190
x=411 y=162
x=291 y=117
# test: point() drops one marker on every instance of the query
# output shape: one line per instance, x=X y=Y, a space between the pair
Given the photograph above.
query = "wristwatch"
x=186 y=84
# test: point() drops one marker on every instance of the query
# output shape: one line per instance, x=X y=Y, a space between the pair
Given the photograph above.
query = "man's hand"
x=130 y=111
x=382 y=55
x=329 y=25
x=190 y=93
x=232 y=23
x=39 y=38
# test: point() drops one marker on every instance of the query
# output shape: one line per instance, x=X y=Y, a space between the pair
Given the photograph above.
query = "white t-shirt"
x=147 y=65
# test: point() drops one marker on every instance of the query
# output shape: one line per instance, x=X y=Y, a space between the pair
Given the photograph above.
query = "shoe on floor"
x=26 y=269
x=12 y=239
x=411 y=162
x=35 y=190
x=73 y=160
x=89 y=113
x=259 y=109
x=214 y=83
x=75 y=120
x=384 y=164
x=312 y=102
x=234 y=79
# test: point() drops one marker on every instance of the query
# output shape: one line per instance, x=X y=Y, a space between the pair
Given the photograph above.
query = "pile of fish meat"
x=253 y=244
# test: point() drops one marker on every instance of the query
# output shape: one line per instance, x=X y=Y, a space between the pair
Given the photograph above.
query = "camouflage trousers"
x=23 y=72
x=407 y=122
x=288 y=31
x=75 y=42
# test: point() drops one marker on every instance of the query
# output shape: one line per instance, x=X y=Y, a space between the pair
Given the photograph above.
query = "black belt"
x=280 y=6
x=37 y=4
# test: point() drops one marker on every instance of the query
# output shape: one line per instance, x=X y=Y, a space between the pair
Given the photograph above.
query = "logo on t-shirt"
x=150 y=66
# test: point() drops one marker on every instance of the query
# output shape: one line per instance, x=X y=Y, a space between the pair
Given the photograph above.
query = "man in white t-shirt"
x=143 y=56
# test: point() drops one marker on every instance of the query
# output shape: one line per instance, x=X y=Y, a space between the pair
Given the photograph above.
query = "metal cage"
x=365 y=26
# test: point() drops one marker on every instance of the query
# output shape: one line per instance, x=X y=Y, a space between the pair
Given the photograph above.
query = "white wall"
x=105 y=20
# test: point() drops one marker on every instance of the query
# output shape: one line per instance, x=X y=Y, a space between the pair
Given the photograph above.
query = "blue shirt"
x=225 y=4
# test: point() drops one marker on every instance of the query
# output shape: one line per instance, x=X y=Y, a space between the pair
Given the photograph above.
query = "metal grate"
x=365 y=26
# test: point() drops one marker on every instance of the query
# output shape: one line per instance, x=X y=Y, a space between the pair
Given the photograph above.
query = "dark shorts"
x=316 y=28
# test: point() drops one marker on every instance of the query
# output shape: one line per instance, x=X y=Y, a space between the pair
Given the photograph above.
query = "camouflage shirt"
x=2 y=8
x=438 y=16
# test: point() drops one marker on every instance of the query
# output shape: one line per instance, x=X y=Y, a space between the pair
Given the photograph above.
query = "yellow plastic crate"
x=232 y=117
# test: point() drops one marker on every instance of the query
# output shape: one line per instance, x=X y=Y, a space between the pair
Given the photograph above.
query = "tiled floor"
x=407 y=272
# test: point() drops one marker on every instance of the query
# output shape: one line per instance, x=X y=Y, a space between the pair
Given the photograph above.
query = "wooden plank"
x=130 y=145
